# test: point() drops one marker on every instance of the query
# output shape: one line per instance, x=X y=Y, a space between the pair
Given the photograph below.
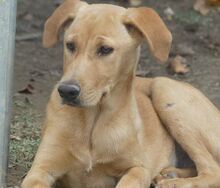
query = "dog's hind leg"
x=194 y=122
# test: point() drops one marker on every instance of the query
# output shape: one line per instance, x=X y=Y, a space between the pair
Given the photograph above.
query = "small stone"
x=28 y=17
x=169 y=13
x=135 y=3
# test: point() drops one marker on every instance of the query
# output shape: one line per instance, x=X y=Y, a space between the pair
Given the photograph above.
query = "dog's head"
x=101 y=46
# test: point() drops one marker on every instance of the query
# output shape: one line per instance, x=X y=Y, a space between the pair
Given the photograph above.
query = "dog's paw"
x=170 y=172
x=33 y=184
x=167 y=173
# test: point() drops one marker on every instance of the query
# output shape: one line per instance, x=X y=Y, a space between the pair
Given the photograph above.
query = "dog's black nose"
x=69 y=92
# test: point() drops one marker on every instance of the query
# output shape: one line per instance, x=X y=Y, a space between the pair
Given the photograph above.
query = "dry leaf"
x=202 y=7
x=29 y=89
x=14 y=137
x=178 y=66
x=213 y=2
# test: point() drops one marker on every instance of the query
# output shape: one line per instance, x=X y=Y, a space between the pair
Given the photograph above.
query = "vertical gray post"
x=7 y=42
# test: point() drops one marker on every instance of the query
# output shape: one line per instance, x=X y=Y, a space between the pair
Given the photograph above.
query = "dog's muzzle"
x=69 y=93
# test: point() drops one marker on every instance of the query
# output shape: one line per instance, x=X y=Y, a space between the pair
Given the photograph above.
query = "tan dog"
x=102 y=128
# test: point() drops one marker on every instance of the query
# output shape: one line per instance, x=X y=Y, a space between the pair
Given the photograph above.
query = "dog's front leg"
x=38 y=178
x=136 y=177
x=51 y=162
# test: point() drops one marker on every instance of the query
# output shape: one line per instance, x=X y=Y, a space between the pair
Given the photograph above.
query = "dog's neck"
x=121 y=95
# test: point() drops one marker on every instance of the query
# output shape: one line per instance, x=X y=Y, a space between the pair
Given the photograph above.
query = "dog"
x=107 y=128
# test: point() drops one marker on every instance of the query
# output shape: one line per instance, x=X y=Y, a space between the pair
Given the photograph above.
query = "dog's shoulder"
x=143 y=85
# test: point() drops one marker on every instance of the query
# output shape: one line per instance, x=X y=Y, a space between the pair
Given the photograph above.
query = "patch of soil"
x=41 y=68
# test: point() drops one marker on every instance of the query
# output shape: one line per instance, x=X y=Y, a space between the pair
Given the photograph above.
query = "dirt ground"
x=195 y=37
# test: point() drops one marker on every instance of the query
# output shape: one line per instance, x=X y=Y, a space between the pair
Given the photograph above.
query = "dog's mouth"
x=104 y=95
x=78 y=102
x=74 y=103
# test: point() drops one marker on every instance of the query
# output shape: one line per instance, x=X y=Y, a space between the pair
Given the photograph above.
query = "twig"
x=30 y=36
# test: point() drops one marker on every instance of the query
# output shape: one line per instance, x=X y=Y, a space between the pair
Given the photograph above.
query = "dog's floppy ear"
x=63 y=14
x=152 y=28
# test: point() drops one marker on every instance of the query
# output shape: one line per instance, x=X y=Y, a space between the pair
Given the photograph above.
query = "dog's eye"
x=71 y=46
x=105 y=50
